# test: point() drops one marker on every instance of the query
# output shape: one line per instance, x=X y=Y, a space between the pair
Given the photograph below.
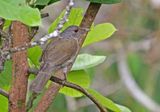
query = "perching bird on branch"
x=59 y=53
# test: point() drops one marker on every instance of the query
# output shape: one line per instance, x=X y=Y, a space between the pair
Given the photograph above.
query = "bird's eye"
x=76 y=30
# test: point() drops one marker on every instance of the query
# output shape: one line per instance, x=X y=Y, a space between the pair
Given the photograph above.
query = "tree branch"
x=131 y=85
x=53 y=90
x=4 y=93
x=18 y=91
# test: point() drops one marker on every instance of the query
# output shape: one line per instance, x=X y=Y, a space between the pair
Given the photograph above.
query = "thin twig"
x=131 y=85
x=74 y=86
x=4 y=93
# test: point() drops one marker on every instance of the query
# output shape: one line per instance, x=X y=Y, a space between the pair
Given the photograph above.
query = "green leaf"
x=59 y=104
x=16 y=2
x=84 y=61
x=4 y=104
x=17 y=10
x=105 y=1
x=99 y=33
x=123 y=108
x=75 y=18
x=7 y=23
x=34 y=55
x=52 y=1
x=104 y=101
x=5 y=75
x=41 y=2
x=45 y=2
x=77 y=77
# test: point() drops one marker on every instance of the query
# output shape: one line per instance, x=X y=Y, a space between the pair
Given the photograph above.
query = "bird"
x=58 y=53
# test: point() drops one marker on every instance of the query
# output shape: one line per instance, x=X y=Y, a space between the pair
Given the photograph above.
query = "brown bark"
x=53 y=90
x=88 y=19
x=17 y=94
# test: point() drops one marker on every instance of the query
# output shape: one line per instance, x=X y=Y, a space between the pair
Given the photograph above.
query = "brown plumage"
x=57 y=54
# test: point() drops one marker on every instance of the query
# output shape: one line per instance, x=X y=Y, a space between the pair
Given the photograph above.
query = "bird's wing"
x=59 y=51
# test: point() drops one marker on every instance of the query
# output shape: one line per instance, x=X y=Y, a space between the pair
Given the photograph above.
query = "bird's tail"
x=40 y=81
